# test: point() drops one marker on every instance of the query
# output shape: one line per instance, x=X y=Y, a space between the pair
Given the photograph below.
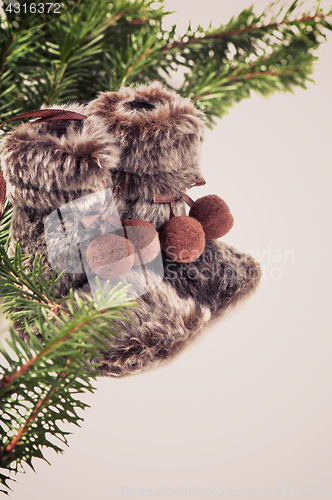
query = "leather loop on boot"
x=169 y=198
x=46 y=115
x=199 y=182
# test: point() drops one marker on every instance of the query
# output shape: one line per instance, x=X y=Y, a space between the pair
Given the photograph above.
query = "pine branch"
x=251 y=53
x=41 y=382
x=91 y=49
x=24 y=289
x=62 y=59
x=239 y=31
x=5 y=223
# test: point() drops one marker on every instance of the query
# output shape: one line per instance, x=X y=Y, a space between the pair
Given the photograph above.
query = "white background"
x=248 y=405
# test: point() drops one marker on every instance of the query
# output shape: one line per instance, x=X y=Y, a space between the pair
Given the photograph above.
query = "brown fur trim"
x=44 y=163
x=164 y=139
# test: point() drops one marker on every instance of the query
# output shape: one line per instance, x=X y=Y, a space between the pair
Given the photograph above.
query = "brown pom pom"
x=214 y=215
x=182 y=239
x=145 y=239
x=110 y=255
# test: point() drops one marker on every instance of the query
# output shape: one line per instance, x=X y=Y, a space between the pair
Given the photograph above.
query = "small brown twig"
x=238 y=31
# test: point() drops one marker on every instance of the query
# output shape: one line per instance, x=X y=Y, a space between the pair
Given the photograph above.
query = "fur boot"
x=147 y=141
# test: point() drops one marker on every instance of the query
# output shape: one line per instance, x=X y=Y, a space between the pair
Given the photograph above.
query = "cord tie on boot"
x=171 y=199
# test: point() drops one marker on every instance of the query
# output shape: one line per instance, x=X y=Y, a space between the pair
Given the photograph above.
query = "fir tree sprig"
x=262 y=53
x=99 y=46
x=64 y=58
x=41 y=383
x=5 y=222
x=25 y=289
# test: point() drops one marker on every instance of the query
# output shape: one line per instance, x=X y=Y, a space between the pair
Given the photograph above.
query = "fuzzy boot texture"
x=147 y=140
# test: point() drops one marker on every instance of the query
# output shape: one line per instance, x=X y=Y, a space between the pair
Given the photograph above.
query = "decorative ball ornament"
x=110 y=255
x=214 y=215
x=182 y=238
x=144 y=238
